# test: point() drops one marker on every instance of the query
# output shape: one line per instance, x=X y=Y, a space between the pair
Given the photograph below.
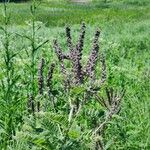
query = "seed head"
x=40 y=76
x=69 y=39
x=90 y=67
x=50 y=75
x=30 y=104
x=104 y=73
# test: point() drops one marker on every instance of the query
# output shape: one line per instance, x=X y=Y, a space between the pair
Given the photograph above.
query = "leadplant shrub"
x=83 y=86
x=83 y=104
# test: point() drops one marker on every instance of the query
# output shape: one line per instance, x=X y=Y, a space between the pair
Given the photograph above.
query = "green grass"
x=125 y=40
x=60 y=13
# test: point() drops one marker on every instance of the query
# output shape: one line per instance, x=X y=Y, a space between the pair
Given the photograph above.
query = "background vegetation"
x=124 y=40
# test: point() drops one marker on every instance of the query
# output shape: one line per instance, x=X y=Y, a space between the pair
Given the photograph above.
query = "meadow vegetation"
x=57 y=86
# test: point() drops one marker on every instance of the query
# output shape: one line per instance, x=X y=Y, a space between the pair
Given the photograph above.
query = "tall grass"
x=10 y=100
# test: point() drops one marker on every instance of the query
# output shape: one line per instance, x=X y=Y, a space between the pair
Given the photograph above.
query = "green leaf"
x=74 y=134
x=39 y=141
x=78 y=90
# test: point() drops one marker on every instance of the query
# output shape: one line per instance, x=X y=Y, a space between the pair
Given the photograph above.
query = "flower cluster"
x=31 y=105
x=90 y=67
x=75 y=56
x=40 y=76
x=50 y=75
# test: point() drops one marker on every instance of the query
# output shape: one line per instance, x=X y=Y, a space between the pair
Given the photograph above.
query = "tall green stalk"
x=33 y=11
x=8 y=85
x=34 y=48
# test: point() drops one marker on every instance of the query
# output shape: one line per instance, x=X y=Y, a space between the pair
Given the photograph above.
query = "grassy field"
x=124 y=40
